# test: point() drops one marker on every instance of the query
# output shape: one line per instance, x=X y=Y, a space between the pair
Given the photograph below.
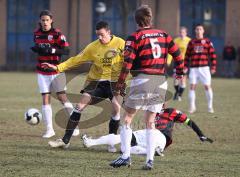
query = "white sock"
x=150 y=136
x=139 y=150
x=126 y=137
x=192 y=98
x=47 y=116
x=110 y=139
x=209 y=95
x=116 y=117
x=68 y=107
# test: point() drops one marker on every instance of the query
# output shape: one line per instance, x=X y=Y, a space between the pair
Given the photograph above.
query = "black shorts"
x=99 y=90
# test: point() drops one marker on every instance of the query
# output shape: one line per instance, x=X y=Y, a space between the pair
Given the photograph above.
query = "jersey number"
x=156 y=49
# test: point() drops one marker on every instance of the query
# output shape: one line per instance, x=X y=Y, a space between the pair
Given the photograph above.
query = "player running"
x=105 y=55
x=164 y=122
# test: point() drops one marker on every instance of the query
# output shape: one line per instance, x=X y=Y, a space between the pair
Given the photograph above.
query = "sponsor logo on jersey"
x=203 y=41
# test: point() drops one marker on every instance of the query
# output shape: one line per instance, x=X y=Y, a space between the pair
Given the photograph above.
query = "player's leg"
x=73 y=121
x=110 y=139
x=47 y=115
x=182 y=87
x=193 y=76
x=177 y=87
x=58 y=84
x=126 y=137
x=150 y=138
x=44 y=83
x=205 y=77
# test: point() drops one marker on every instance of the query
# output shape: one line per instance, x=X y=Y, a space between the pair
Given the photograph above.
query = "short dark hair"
x=46 y=12
x=101 y=25
x=143 y=16
x=199 y=24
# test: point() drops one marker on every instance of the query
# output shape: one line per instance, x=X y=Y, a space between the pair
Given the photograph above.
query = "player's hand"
x=178 y=77
x=120 y=89
x=213 y=71
x=204 y=138
x=185 y=70
x=48 y=66
x=35 y=49
x=46 y=50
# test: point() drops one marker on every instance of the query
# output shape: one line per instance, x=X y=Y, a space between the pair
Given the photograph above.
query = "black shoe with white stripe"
x=148 y=165
x=121 y=162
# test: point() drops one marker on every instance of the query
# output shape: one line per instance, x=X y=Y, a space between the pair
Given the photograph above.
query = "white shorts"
x=147 y=92
x=49 y=83
x=201 y=73
x=141 y=138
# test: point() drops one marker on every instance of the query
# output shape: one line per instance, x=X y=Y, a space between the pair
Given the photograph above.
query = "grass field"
x=23 y=153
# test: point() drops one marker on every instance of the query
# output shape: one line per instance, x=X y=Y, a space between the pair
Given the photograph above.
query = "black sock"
x=113 y=126
x=176 y=92
x=180 y=91
x=176 y=87
x=195 y=128
x=72 y=124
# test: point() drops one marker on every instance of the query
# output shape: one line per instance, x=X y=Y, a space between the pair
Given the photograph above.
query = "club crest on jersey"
x=203 y=41
x=128 y=43
x=50 y=37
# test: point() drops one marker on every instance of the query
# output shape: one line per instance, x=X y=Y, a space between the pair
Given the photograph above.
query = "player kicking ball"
x=164 y=123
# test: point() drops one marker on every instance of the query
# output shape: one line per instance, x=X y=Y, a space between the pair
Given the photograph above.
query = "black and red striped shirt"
x=199 y=54
x=54 y=39
x=146 y=51
x=165 y=120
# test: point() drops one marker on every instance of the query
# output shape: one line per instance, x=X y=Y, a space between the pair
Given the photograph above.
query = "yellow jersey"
x=182 y=44
x=106 y=60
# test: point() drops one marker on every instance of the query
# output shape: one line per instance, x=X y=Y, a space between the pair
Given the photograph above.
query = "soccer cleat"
x=210 y=110
x=58 y=144
x=204 y=138
x=86 y=141
x=148 y=165
x=112 y=149
x=49 y=133
x=179 y=98
x=175 y=96
x=159 y=152
x=121 y=162
x=76 y=132
x=192 y=110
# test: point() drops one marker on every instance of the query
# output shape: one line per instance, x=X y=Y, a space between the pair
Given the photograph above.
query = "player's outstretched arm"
x=49 y=66
x=197 y=130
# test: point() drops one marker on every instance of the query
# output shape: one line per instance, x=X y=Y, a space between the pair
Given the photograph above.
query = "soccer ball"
x=33 y=116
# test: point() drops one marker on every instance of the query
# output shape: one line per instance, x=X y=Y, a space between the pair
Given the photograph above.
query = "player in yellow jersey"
x=105 y=56
x=182 y=42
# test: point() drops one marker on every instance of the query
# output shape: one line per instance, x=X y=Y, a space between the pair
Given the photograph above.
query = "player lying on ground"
x=164 y=122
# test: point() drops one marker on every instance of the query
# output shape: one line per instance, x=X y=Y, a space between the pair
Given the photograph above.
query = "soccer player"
x=164 y=123
x=145 y=57
x=182 y=42
x=201 y=59
x=106 y=58
x=50 y=45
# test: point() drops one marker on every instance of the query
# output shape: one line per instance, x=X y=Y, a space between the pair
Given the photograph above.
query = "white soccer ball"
x=33 y=116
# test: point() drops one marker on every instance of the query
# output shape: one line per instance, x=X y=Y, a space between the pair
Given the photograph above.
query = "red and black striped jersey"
x=165 y=120
x=199 y=53
x=54 y=39
x=146 y=52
